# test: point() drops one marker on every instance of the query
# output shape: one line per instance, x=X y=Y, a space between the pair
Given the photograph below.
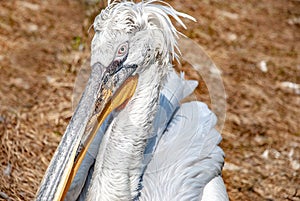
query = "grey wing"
x=187 y=162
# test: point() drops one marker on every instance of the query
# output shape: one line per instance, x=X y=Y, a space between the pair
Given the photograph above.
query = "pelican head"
x=131 y=52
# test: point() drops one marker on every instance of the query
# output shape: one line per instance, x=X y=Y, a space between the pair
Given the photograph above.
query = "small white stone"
x=32 y=28
x=263 y=66
x=265 y=155
x=295 y=165
x=232 y=36
x=291 y=87
x=231 y=167
x=50 y=79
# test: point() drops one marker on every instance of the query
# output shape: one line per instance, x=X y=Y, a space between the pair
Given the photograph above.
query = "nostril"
x=97 y=68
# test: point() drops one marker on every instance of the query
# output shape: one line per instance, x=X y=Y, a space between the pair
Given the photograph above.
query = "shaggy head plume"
x=132 y=17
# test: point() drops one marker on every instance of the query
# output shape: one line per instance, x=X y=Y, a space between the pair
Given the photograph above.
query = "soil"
x=255 y=44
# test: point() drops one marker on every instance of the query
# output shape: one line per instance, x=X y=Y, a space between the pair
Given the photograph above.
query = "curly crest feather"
x=132 y=17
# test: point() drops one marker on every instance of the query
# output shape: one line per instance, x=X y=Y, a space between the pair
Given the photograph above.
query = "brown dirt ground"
x=43 y=44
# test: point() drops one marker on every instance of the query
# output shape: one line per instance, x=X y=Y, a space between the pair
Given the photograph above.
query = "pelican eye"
x=122 y=50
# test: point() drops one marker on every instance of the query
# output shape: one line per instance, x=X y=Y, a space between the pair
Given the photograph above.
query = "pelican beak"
x=106 y=90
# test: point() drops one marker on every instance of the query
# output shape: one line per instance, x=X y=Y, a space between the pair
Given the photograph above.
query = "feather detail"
x=187 y=157
x=215 y=190
x=132 y=17
x=177 y=88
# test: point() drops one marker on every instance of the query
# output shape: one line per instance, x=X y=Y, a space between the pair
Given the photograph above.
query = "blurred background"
x=255 y=44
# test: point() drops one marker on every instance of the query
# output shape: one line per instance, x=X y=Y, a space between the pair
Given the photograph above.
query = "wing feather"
x=187 y=157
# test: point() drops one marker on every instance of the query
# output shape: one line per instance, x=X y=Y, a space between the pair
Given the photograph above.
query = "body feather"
x=185 y=162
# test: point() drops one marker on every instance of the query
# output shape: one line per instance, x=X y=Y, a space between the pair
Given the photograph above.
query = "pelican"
x=131 y=137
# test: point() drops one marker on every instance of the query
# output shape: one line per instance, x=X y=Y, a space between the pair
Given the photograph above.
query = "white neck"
x=118 y=164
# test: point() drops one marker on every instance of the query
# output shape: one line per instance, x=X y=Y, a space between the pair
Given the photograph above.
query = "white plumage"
x=187 y=157
x=153 y=148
